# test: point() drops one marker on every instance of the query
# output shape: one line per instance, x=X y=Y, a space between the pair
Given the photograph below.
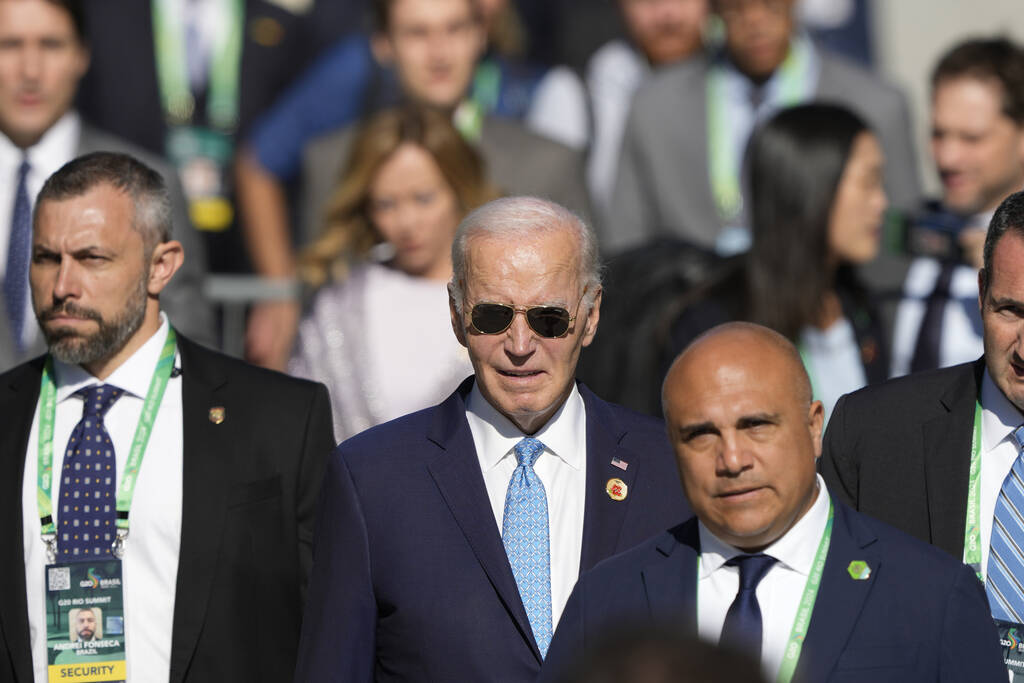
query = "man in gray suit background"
x=43 y=58
x=683 y=149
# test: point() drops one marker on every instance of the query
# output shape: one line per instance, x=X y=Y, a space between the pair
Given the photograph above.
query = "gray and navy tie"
x=1005 y=578
x=19 y=248
x=525 y=534
x=88 y=481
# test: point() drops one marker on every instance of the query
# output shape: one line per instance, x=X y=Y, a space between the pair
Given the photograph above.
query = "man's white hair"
x=524 y=217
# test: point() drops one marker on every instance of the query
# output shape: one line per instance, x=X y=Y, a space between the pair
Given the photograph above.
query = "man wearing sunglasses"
x=449 y=540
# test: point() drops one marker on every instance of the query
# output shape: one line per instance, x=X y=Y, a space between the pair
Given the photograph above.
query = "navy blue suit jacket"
x=410 y=579
x=919 y=616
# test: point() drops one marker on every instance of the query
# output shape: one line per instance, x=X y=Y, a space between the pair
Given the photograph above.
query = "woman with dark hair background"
x=817 y=204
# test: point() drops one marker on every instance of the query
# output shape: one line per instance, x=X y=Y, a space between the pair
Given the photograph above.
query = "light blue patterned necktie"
x=1005 y=579
x=525 y=534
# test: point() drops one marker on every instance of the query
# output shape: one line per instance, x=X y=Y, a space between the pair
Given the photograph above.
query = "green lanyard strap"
x=126 y=490
x=972 y=527
x=805 y=609
x=172 y=74
x=723 y=148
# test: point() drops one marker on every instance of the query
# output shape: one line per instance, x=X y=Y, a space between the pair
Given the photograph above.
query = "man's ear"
x=457 y=326
x=167 y=258
x=593 y=316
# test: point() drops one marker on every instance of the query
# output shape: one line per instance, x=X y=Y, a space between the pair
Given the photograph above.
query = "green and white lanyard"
x=125 y=492
x=469 y=116
x=794 y=78
x=172 y=71
x=972 y=527
x=805 y=609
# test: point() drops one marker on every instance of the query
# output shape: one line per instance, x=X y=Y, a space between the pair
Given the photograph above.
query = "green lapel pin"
x=859 y=570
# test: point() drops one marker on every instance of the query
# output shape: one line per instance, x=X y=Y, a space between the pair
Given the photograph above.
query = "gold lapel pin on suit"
x=616 y=489
x=217 y=414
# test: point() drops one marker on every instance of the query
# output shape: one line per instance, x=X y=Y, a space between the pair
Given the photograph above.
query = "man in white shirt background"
x=978 y=150
x=43 y=55
x=771 y=565
x=221 y=503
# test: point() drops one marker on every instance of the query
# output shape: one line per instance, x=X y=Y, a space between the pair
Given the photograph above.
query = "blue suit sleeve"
x=970 y=648
x=339 y=627
x=327 y=96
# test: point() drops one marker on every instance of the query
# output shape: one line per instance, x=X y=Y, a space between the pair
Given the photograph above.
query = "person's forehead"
x=102 y=212
x=737 y=374
x=24 y=18
x=405 y=13
x=1008 y=265
x=528 y=267
x=969 y=97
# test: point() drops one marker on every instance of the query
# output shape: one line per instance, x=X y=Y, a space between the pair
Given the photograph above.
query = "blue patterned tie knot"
x=528 y=450
x=97 y=399
x=525 y=535
x=743 y=626
x=88 y=478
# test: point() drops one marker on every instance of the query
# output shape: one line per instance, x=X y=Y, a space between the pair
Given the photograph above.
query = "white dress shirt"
x=833 y=362
x=562 y=468
x=779 y=592
x=150 y=565
x=58 y=146
x=999 y=418
x=961 y=320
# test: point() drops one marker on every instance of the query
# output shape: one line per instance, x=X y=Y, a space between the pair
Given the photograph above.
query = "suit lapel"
x=670 y=582
x=946 y=441
x=840 y=597
x=18 y=399
x=603 y=515
x=204 y=480
x=456 y=471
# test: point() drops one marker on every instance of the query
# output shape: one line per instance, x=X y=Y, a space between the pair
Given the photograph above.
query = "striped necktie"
x=1005 y=577
x=525 y=534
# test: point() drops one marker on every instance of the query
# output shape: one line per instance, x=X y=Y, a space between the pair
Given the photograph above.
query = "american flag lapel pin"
x=621 y=464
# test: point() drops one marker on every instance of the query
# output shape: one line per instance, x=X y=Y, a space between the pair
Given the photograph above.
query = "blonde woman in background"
x=378 y=333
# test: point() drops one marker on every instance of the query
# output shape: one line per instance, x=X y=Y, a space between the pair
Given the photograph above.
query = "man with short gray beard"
x=191 y=473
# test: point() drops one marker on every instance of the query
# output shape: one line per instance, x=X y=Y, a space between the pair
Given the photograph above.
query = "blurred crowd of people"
x=738 y=161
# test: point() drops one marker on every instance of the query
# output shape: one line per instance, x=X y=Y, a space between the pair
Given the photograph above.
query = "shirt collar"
x=999 y=417
x=133 y=376
x=55 y=147
x=795 y=549
x=564 y=435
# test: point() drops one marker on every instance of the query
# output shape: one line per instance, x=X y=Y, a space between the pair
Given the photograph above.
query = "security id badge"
x=1011 y=637
x=85 y=622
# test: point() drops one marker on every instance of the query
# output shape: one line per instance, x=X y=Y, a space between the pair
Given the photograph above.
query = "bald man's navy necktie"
x=743 y=627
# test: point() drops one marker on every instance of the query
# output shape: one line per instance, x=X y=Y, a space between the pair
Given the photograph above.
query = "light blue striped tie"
x=525 y=534
x=1005 y=578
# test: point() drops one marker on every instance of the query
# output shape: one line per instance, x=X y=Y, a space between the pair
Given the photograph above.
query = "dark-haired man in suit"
x=216 y=532
x=937 y=453
x=43 y=54
x=448 y=540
